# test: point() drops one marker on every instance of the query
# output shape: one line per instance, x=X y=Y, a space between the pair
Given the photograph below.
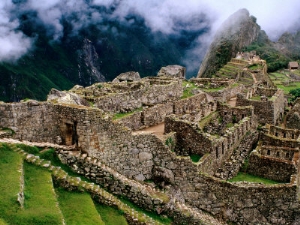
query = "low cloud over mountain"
x=167 y=16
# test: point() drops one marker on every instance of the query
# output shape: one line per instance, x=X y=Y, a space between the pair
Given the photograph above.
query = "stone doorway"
x=70 y=136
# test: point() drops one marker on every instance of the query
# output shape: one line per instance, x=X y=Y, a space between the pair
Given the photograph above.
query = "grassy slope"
x=40 y=199
x=10 y=164
x=83 y=210
x=111 y=216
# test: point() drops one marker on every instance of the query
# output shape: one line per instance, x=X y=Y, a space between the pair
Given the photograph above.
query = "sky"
x=274 y=16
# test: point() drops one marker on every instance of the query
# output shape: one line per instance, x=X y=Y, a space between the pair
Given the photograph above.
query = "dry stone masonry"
x=105 y=149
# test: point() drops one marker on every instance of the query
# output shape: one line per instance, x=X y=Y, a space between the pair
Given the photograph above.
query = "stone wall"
x=217 y=82
x=268 y=111
x=197 y=106
x=269 y=140
x=202 y=103
x=214 y=149
x=150 y=92
x=284 y=133
x=137 y=156
x=156 y=114
x=31 y=121
x=268 y=92
x=226 y=94
x=270 y=167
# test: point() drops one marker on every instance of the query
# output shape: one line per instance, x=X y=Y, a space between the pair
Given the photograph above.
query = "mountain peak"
x=238 y=31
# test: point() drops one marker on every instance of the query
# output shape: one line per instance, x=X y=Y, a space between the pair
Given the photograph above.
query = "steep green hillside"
x=105 y=49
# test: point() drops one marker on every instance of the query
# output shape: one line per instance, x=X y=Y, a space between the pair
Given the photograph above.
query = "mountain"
x=237 y=32
x=240 y=32
x=93 y=53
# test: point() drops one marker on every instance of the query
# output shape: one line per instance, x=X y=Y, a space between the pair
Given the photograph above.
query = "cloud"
x=166 y=16
x=13 y=44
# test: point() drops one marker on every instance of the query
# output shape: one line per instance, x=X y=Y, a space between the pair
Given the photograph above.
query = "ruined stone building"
x=214 y=118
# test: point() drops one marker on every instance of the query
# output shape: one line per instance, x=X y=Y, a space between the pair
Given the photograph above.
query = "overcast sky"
x=274 y=16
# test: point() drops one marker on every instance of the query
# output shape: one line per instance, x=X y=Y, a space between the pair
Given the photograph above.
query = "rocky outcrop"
x=129 y=77
x=88 y=67
x=66 y=98
x=238 y=31
x=172 y=71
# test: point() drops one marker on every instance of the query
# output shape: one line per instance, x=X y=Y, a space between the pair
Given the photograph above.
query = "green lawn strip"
x=241 y=176
x=10 y=165
x=40 y=199
x=160 y=218
x=110 y=215
x=78 y=208
x=122 y=115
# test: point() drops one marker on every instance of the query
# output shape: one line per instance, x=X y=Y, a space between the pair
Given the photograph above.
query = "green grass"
x=256 y=98
x=187 y=89
x=122 y=115
x=207 y=119
x=255 y=67
x=162 y=219
x=110 y=215
x=10 y=164
x=78 y=208
x=40 y=199
x=288 y=88
x=195 y=157
x=251 y=178
x=213 y=89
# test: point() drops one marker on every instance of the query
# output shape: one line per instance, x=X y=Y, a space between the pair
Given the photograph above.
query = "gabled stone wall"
x=268 y=111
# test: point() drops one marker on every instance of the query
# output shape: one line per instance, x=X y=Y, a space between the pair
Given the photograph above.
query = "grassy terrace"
x=281 y=81
x=46 y=205
x=78 y=214
x=110 y=215
x=251 y=178
x=40 y=199
x=122 y=115
x=187 y=89
x=10 y=165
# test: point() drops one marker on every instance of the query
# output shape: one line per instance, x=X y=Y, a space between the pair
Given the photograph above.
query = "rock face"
x=129 y=76
x=238 y=31
x=87 y=59
x=172 y=71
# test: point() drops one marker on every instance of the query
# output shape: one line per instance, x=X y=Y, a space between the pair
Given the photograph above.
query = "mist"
x=166 y=16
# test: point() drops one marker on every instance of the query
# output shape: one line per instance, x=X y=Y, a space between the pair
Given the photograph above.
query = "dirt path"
x=157 y=130
x=232 y=102
x=254 y=78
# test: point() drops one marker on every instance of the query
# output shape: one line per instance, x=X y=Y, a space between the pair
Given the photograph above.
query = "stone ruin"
x=203 y=124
